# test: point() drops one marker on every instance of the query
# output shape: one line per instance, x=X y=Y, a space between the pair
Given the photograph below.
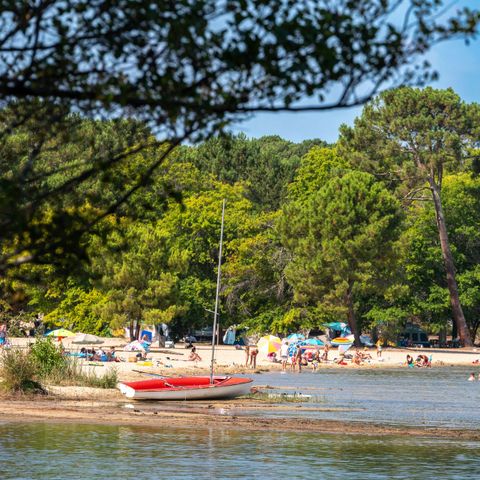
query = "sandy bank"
x=236 y=414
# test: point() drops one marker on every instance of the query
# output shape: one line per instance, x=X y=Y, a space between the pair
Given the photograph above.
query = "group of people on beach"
x=99 y=355
x=302 y=357
x=420 y=361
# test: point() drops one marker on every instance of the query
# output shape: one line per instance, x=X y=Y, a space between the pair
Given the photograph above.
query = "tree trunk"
x=352 y=320
x=457 y=311
x=132 y=333
x=137 y=330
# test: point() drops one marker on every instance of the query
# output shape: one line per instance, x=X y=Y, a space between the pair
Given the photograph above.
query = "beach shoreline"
x=211 y=415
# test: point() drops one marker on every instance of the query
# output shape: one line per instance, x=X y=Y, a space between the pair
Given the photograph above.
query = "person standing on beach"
x=326 y=348
x=298 y=358
x=284 y=355
x=379 y=349
x=253 y=356
x=247 y=355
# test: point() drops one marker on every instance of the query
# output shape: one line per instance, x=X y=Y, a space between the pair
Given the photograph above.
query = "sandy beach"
x=228 y=359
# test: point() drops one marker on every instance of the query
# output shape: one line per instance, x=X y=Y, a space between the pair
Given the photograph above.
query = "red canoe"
x=186 y=388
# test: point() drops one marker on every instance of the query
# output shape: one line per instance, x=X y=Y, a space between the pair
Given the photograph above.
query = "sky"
x=457 y=64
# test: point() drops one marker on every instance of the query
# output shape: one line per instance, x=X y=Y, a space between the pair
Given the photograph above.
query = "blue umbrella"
x=312 y=341
x=292 y=348
x=296 y=337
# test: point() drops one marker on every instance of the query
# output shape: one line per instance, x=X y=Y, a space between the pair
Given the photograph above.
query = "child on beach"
x=284 y=355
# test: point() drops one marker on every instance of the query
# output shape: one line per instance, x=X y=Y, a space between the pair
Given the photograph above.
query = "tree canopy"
x=191 y=66
x=411 y=137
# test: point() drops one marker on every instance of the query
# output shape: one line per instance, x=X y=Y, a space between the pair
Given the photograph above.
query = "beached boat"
x=186 y=388
x=192 y=388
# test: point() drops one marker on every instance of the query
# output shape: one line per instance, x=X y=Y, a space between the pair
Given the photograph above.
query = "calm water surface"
x=440 y=397
x=436 y=397
x=40 y=451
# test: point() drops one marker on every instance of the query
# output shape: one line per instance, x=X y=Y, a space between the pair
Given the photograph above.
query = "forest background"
x=313 y=232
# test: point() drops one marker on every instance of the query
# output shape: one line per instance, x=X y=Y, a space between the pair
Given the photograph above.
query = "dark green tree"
x=342 y=243
x=410 y=138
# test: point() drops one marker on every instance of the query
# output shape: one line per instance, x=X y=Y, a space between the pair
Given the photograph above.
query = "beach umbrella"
x=341 y=341
x=87 y=339
x=344 y=348
x=269 y=344
x=296 y=337
x=60 y=332
x=313 y=342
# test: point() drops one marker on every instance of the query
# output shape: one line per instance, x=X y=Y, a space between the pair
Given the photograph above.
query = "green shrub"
x=19 y=371
x=47 y=356
x=71 y=374
x=107 y=380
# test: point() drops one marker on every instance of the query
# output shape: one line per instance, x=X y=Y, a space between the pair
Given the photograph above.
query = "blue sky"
x=458 y=66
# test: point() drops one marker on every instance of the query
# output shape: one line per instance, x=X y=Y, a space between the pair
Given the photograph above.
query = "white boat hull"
x=209 y=392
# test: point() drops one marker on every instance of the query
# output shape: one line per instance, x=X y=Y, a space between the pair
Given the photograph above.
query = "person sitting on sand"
x=422 y=361
x=341 y=359
x=471 y=378
x=272 y=357
x=366 y=355
x=194 y=356
x=111 y=355
x=410 y=363
x=357 y=358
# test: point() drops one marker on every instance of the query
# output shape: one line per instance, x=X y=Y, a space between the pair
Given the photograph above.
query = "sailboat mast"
x=215 y=314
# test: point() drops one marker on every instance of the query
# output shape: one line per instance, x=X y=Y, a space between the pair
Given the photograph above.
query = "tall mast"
x=215 y=314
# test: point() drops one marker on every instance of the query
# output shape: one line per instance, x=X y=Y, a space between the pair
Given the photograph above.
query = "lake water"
x=438 y=397
x=64 y=451
x=431 y=397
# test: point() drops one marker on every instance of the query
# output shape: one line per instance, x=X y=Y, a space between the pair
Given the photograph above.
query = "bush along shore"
x=29 y=370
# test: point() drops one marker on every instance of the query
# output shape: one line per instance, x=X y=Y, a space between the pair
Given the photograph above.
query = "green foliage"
x=265 y=165
x=78 y=310
x=47 y=357
x=18 y=371
x=342 y=243
x=72 y=374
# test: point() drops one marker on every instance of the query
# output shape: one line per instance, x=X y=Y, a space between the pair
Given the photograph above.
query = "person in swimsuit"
x=298 y=358
x=194 y=356
x=247 y=355
x=253 y=356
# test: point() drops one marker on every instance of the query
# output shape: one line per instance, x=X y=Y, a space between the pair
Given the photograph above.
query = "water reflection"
x=67 y=451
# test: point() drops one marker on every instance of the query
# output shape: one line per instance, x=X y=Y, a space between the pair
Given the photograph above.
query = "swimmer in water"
x=471 y=378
